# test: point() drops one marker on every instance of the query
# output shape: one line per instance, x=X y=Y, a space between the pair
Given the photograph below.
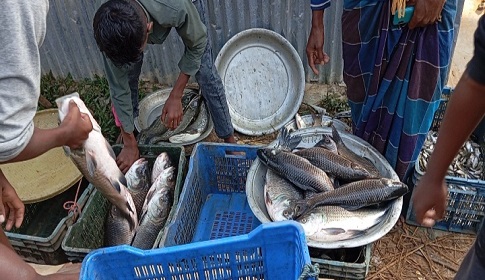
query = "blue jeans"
x=210 y=84
x=473 y=265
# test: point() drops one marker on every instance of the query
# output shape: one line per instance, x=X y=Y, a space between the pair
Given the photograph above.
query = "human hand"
x=429 y=200
x=76 y=126
x=128 y=155
x=172 y=111
x=12 y=209
x=314 y=47
x=426 y=12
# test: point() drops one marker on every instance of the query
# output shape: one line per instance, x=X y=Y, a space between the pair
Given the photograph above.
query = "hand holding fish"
x=76 y=126
x=11 y=207
x=429 y=200
x=172 y=112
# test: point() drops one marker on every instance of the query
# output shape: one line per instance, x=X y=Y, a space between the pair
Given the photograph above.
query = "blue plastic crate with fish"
x=271 y=251
x=466 y=197
x=213 y=202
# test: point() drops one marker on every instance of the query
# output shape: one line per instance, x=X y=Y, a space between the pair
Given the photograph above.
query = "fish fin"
x=286 y=141
x=336 y=136
x=351 y=207
x=116 y=184
x=334 y=231
x=91 y=163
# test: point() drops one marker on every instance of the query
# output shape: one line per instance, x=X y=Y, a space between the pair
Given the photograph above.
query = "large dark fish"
x=349 y=154
x=97 y=162
x=117 y=230
x=334 y=164
x=190 y=113
x=295 y=169
x=351 y=196
x=138 y=179
x=155 y=211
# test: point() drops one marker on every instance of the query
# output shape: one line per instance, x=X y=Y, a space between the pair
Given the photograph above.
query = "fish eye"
x=273 y=152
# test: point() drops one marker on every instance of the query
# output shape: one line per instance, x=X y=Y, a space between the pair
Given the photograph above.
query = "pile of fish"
x=194 y=122
x=467 y=163
x=136 y=197
x=153 y=194
x=334 y=193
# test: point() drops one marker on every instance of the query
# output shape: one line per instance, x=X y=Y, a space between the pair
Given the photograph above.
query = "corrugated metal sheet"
x=70 y=48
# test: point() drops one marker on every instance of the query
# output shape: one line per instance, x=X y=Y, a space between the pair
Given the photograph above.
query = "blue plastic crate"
x=466 y=197
x=213 y=202
x=271 y=251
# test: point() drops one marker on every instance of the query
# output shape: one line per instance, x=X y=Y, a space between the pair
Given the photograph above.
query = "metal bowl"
x=150 y=108
x=264 y=80
x=257 y=174
x=327 y=121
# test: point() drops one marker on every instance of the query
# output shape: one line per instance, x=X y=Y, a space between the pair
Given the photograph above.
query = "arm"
x=314 y=48
x=467 y=102
x=193 y=33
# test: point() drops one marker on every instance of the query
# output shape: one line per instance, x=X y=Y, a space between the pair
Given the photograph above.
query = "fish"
x=96 y=160
x=351 y=196
x=295 y=169
x=166 y=177
x=190 y=113
x=334 y=223
x=157 y=127
x=138 y=179
x=195 y=129
x=161 y=163
x=155 y=210
x=334 y=164
x=278 y=192
x=349 y=154
x=327 y=143
x=117 y=229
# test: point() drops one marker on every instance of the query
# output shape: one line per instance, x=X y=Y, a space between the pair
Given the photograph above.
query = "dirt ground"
x=406 y=252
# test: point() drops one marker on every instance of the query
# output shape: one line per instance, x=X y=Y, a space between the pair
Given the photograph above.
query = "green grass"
x=95 y=94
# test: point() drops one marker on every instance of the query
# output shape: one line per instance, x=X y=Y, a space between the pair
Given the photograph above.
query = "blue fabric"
x=394 y=77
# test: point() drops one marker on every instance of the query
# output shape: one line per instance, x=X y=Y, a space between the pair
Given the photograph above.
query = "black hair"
x=120 y=31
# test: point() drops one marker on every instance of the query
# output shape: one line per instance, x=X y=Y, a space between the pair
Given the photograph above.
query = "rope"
x=309 y=270
x=72 y=206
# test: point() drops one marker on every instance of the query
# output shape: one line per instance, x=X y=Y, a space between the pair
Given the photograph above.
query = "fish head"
x=311 y=223
x=327 y=143
x=138 y=174
x=63 y=107
x=268 y=155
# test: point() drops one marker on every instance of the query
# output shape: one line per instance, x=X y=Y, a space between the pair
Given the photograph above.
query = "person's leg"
x=473 y=265
x=212 y=89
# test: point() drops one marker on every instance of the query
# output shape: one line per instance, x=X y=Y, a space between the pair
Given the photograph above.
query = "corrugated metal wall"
x=69 y=46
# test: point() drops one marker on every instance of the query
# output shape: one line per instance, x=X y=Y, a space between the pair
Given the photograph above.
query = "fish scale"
x=295 y=169
x=138 y=182
x=278 y=192
x=334 y=164
x=117 y=229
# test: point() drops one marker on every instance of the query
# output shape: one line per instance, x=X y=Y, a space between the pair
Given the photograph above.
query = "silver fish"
x=334 y=223
x=155 y=212
x=334 y=164
x=194 y=130
x=161 y=163
x=117 y=229
x=278 y=192
x=349 y=154
x=138 y=179
x=166 y=177
x=190 y=113
x=300 y=123
x=97 y=162
x=295 y=169
x=351 y=196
